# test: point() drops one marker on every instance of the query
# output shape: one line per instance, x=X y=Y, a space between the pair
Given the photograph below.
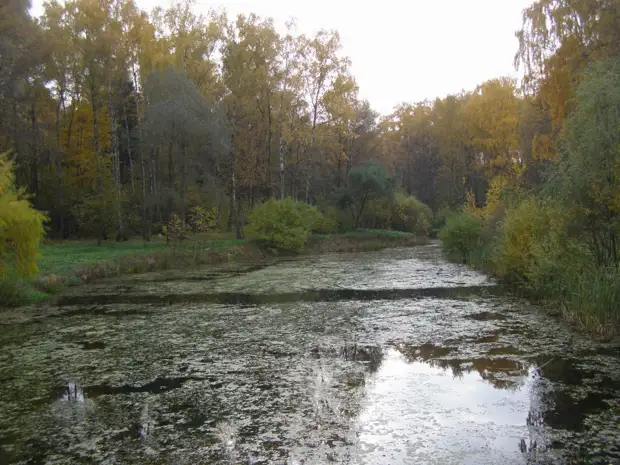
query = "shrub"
x=462 y=235
x=51 y=284
x=340 y=220
x=313 y=219
x=401 y=213
x=411 y=215
x=439 y=220
x=378 y=214
x=283 y=224
x=522 y=227
x=13 y=292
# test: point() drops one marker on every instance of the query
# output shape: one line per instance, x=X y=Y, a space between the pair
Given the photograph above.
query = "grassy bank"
x=72 y=263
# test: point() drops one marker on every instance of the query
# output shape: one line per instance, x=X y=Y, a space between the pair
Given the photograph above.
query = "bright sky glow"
x=401 y=50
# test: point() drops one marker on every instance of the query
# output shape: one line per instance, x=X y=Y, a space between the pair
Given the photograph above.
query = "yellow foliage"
x=493 y=199
x=21 y=226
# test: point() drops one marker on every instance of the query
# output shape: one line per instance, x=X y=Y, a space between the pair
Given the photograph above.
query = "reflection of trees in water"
x=373 y=355
x=493 y=370
x=73 y=393
x=559 y=406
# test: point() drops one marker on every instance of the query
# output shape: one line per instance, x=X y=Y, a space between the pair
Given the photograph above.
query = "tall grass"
x=531 y=246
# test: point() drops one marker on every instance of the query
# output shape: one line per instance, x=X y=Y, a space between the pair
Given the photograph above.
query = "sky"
x=401 y=50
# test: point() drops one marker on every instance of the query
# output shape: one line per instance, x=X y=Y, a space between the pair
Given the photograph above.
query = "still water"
x=390 y=357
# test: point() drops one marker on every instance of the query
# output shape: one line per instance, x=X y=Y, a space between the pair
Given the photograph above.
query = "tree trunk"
x=100 y=231
x=146 y=229
x=120 y=233
x=61 y=216
x=129 y=155
x=281 y=167
x=183 y=186
x=235 y=205
x=359 y=213
x=58 y=163
x=170 y=172
x=269 y=183
x=34 y=160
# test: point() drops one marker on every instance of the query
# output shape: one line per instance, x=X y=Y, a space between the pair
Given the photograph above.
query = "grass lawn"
x=63 y=258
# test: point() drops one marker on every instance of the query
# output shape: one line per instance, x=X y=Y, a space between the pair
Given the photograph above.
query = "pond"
x=389 y=357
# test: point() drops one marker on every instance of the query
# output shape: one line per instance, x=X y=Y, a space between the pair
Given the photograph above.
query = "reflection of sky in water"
x=416 y=413
x=398 y=269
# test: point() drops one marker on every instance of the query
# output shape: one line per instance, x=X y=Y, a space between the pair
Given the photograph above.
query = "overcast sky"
x=402 y=50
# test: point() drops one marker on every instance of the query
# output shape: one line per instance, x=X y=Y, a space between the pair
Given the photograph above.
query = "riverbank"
x=72 y=263
x=570 y=287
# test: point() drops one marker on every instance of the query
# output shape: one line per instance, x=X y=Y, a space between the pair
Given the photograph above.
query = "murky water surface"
x=393 y=357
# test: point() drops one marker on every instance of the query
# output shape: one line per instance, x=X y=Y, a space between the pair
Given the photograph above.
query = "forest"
x=117 y=123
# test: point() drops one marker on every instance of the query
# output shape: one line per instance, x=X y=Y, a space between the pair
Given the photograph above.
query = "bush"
x=13 y=292
x=462 y=235
x=378 y=214
x=439 y=220
x=340 y=220
x=313 y=219
x=411 y=215
x=401 y=213
x=522 y=227
x=284 y=224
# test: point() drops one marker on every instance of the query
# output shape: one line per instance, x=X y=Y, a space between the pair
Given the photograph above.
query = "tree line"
x=551 y=223
x=116 y=118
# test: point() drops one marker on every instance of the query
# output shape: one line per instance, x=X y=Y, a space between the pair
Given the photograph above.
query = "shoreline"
x=48 y=287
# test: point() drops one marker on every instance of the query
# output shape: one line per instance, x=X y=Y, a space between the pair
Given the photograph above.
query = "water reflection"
x=73 y=393
x=418 y=412
x=502 y=373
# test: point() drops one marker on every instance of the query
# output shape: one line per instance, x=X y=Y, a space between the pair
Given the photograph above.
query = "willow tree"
x=591 y=162
x=21 y=226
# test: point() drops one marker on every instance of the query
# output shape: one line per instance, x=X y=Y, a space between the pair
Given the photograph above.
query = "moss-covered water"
x=387 y=357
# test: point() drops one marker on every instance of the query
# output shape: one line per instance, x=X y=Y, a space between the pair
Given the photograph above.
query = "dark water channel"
x=393 y=357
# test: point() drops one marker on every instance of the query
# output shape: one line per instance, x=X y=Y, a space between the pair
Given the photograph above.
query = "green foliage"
x=462 y=235
x=439 y=220
x=314 y=220
x=522 y=227
x=13 y=292
x=202 y=220
x=411 y=215
x=21 y=226
x=175 y=230
x=590 y=165
x=341 y=220
x=401 y=213
x=283 y=224
x=366 y=182
x=95 y=216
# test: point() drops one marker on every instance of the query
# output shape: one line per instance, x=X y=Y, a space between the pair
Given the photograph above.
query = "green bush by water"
x=400 y=213
x=462 y=236
x=285 y=224
x=534 y=245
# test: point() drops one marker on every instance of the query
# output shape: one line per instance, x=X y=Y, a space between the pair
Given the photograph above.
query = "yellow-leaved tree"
x=21 y=226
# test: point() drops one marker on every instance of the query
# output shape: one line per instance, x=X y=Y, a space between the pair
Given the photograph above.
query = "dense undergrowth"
x=536 y=245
